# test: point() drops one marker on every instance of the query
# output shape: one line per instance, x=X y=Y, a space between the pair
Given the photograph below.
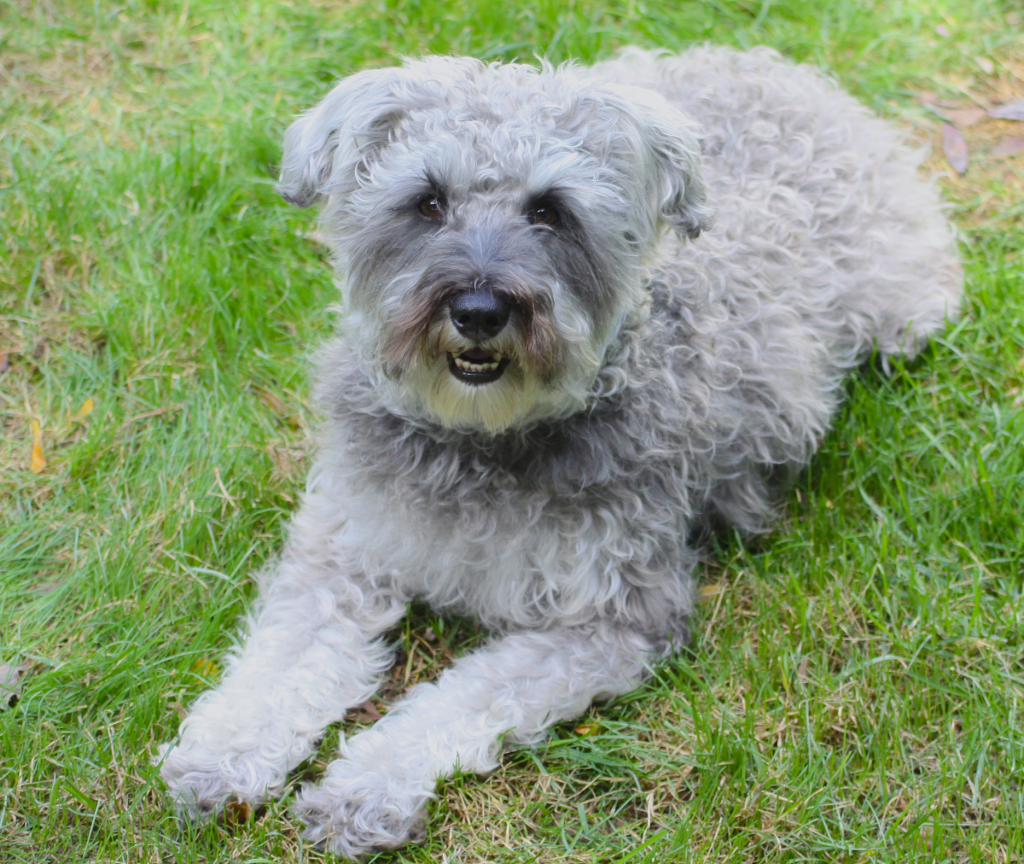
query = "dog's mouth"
x=478 y=365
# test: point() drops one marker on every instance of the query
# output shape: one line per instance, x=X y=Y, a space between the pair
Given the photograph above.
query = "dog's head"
x=492 y=226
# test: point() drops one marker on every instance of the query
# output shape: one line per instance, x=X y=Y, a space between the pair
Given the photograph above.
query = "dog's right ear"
x=666 y=144
x=326 y=148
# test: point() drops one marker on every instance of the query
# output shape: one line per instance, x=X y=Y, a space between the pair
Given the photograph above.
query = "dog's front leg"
x=313 y=651
x=511 y=690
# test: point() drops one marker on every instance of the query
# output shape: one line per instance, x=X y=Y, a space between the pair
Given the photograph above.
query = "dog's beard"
x=543 y=379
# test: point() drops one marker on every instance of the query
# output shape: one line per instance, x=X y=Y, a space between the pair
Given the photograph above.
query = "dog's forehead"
x=517 y=149
x=478 y=155
x=527 y=129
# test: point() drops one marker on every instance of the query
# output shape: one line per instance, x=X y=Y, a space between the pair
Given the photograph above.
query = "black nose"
x=479 y=315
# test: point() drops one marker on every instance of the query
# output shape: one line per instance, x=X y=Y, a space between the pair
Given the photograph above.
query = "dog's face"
x=492 y=226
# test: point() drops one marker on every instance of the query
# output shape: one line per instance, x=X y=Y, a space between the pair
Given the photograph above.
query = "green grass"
x=855 y=688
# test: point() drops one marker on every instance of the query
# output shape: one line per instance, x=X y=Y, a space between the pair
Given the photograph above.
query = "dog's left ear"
x=667 y=144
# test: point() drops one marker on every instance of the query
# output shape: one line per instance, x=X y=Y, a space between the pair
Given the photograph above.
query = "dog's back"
x=825 y=247
x=813 y=195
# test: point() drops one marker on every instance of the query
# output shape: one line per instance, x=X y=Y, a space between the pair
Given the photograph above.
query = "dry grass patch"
x=989 y=195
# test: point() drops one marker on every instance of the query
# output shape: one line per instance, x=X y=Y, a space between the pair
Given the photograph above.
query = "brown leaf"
x=707 y=593
x=365 y=713
x=1009 y=147
x=955 y=148
x=587 y=729
x=40 y=348
x=38 y=461
x=10 y=683
x=963 y=118
x=84 y=411
x=206 y=668
x=237 y=812
x=1009 y=111
x=5 y=361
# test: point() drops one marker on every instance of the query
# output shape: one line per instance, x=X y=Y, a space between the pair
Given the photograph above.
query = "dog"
x=587 y=312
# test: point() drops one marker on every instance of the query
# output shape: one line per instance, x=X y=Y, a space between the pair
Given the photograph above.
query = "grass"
x=855 y=689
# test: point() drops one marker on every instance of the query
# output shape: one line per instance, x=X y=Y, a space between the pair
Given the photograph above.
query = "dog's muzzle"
x=479 y=316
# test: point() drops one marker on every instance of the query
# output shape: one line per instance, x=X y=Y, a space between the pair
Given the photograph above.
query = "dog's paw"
x=358 y=815
x=200 y=784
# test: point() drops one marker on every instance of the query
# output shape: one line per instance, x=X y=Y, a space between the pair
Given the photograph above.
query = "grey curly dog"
x=586 y=311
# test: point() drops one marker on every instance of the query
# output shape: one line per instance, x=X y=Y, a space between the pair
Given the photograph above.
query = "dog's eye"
x=431 y=207
x=543 y=214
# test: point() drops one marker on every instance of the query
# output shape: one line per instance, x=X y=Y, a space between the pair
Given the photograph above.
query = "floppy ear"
x=326 y=146
x=670 y=152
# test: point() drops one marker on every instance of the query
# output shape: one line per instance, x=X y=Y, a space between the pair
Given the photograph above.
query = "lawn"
x=855 y=688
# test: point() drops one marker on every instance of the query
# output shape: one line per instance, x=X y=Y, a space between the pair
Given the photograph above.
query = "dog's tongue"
x=476 y=355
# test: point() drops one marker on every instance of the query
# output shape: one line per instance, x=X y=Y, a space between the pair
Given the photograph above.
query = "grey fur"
x=657 y=380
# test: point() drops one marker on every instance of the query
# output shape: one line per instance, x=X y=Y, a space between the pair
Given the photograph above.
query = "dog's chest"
x=505 y=565
x=490 y=539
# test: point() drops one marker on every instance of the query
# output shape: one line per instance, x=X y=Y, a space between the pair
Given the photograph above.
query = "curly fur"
x=666 y=368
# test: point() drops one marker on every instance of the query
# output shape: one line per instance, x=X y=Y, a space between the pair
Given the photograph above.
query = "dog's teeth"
x=479 y=367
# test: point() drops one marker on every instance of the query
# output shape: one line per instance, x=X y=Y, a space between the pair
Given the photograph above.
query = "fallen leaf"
x=1009 y=111
x=963 y=118
x=10 y=684
x=40 y=348
x=801 y=672
x=955 y=148
x=1009 y=147
x=365 y=713
x=5 y=361
x=206 y=668
x=84 y=411
x=38 y=462
x=237 y=812
x=587 y=729
x=709 y=592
